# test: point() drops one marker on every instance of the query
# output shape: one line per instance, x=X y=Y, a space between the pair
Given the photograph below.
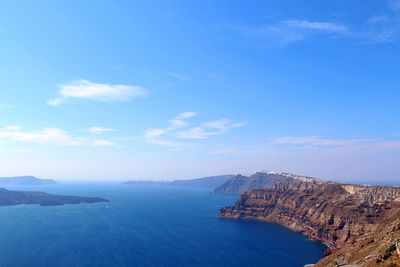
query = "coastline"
x=356 y=223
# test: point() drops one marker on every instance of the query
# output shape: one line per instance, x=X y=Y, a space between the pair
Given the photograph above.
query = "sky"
x=160 y=90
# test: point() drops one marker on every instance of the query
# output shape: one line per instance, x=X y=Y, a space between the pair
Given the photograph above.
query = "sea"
x=144 y=226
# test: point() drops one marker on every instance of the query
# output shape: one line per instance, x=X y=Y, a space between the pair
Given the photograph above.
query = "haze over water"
x=144 y=226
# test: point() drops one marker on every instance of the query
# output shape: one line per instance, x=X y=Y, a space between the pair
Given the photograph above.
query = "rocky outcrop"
x=262 y=179
x=9 y=198
x=342 y=216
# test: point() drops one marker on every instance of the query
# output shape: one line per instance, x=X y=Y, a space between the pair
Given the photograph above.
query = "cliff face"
x=263 y=179
x=338 y=215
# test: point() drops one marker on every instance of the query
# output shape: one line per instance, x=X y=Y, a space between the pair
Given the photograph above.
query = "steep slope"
x=25 y=180
x=376 y=250
x=338 y=215
x=263 y=179
x=237 y=184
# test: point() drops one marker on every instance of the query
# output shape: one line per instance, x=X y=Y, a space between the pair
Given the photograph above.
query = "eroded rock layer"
x=342 y=216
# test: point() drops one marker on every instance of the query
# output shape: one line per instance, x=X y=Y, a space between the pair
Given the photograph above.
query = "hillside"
x=263 y=179
x=358 y=223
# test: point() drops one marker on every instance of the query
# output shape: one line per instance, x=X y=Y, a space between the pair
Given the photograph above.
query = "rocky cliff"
x=345 y=217
x=262 y=179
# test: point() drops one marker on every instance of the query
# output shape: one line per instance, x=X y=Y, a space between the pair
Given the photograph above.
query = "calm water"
x=144 y=226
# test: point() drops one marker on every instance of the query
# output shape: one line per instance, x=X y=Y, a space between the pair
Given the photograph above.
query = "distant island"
x=211 y=182
x=8 y=198
x=359 y=223
x=25 y=180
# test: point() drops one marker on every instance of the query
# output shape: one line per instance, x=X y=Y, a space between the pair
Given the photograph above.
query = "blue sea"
x=144 y=226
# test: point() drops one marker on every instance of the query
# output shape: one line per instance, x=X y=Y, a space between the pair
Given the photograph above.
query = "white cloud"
x=12 y=127
x=384 y=28
x=168 y=136
x=154 y=133
x=180 y=120
x=14 y=133
x=318 y=141
x=100 y=130
x=208 y=129
x=156 y=136
x=379 y=19
x=316 y=25
x=291 y=31
x=85 y=89
x=177 y=76
x=186 y=115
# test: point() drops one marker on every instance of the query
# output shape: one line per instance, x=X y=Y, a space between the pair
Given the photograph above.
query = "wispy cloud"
x=179 y=128
x=84 y=89
x=177 y=76
x=395 y=4
x=376 y=29
x=318 y=141
x=208 y=129
x=316 y=25
x=99 y=130
x=290 y=31
x=384 y=28
x=180 y=120
x=156 y=136
x=55 y=136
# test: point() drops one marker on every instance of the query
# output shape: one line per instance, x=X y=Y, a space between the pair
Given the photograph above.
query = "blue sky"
x=117 y=90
